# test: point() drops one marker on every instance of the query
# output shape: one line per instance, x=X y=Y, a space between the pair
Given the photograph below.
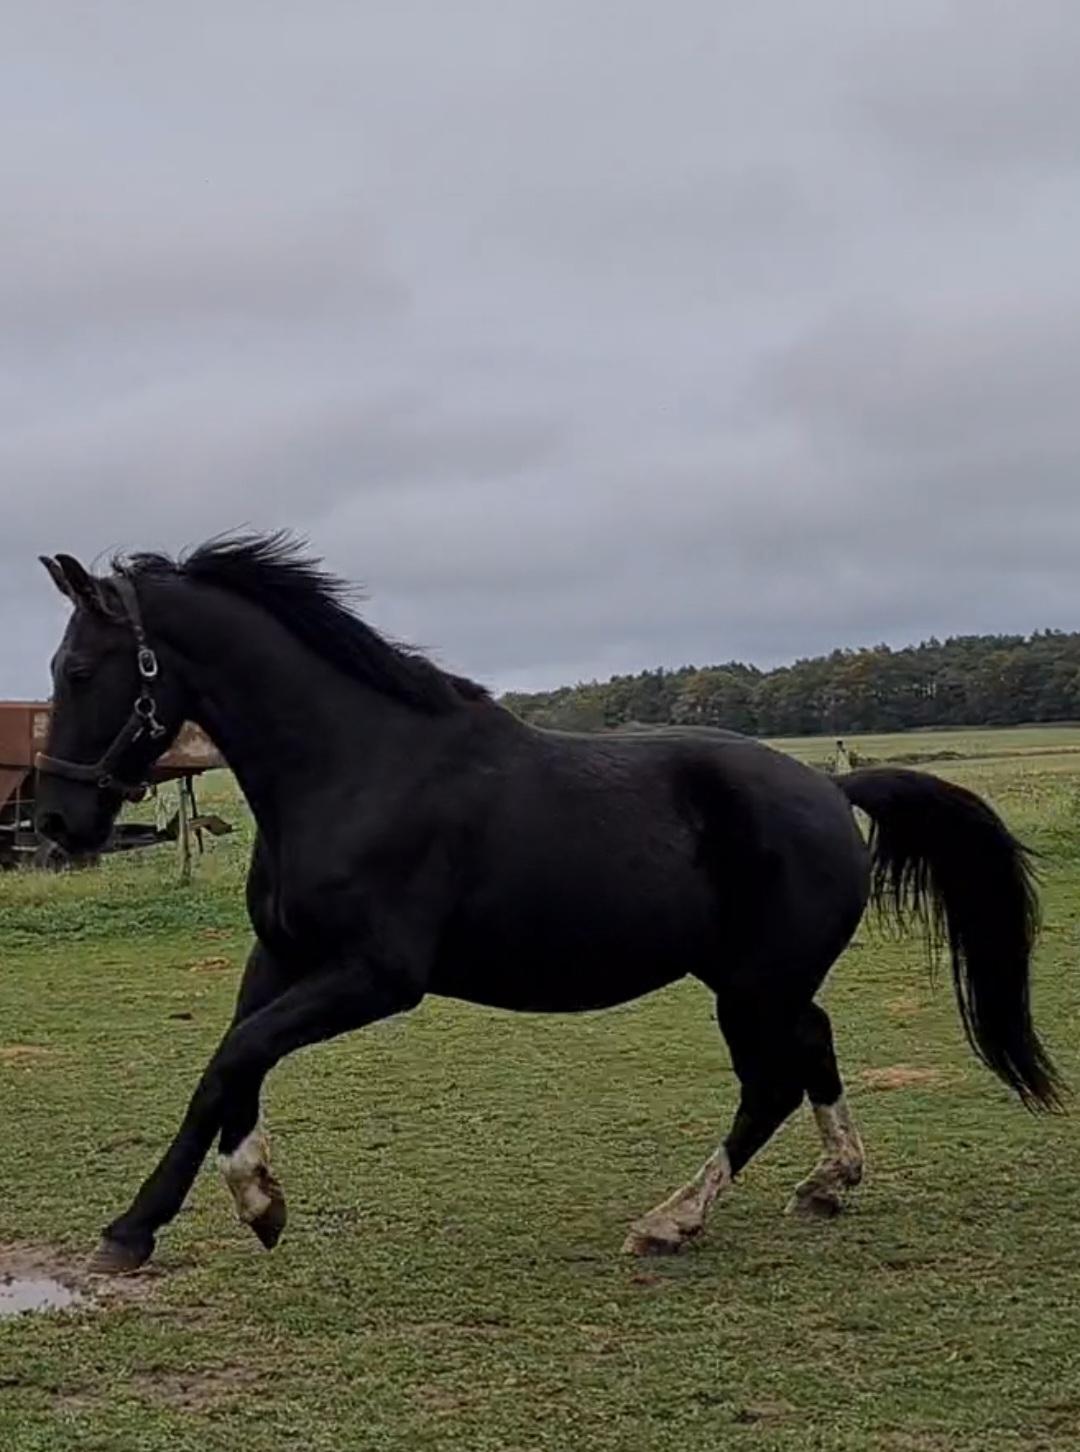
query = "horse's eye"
x=78 y=672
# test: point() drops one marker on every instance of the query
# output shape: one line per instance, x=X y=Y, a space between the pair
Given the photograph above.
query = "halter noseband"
x=105 y=773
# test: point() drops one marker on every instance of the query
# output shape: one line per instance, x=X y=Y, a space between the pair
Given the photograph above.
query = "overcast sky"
x=590 y=335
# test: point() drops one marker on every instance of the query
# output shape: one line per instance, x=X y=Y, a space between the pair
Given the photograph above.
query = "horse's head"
x=116 y=708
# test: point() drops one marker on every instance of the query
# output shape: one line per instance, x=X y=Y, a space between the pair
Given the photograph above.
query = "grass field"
x=459 y=1183
x=940 y=745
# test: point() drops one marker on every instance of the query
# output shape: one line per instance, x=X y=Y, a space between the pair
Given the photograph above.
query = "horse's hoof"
x=269 y=1225
x=646 y=1245
x=645 y=1240
x=814 y=1207
x=119 y=1257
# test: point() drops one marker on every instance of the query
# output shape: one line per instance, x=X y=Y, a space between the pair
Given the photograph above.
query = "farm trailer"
x=24 y=726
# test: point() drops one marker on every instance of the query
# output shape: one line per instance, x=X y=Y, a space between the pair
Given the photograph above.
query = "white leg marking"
x=247 y=1174
x=681 y=1217
x=841 y=1164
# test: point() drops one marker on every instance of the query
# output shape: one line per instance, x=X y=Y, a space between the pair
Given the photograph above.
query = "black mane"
x=276 y=572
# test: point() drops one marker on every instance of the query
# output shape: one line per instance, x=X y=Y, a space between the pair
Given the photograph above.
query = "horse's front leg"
x=265 y=979
x=332 y=1001
x=126 y=1245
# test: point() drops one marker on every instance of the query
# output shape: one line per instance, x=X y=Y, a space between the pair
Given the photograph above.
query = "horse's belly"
x=562 y=935
x=560 y=967
x=552 y=987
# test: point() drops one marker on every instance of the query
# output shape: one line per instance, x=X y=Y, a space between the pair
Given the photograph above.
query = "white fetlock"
x=840 y=1168
x=246 y=1171
x=681 y=1217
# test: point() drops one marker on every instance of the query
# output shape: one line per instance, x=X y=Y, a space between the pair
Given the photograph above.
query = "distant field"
x=459 y=1182
x=963 y=741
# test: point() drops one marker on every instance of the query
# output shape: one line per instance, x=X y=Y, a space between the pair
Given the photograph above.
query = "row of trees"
x=972 y=680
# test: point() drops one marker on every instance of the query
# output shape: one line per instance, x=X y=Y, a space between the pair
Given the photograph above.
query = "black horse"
x=414 y=838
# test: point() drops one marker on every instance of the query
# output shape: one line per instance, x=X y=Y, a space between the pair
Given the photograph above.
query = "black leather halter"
x=107 y=773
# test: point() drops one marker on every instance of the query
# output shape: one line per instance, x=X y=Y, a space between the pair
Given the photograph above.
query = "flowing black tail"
x=941 y=855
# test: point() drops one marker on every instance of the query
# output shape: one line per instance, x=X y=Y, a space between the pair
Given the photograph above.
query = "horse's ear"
x=56 y=575
x=82 y=588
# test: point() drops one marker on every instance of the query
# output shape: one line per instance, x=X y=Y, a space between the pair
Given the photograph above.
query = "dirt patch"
x=73 y=1403
x=899 y=1076
x=916 y=1441
x=1063 y=1416
x=29 y=1265
x=123 y=1141
x=26 y=1054
x=764 y=1412
x=211 y=965
x=441 y=1400
x=194 y=1314
x=197 y=1390
x=449 y=1331
x=907 y=1006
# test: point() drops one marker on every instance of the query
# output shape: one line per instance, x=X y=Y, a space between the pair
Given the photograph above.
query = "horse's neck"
x=278 y=713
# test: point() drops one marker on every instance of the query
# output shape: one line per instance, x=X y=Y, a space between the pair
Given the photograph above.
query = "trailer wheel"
x=49 y=858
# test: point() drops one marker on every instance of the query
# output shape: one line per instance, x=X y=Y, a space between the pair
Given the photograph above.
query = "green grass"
x=459 y=1182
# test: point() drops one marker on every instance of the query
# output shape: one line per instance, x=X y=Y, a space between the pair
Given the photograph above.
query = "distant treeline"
x=969 y=680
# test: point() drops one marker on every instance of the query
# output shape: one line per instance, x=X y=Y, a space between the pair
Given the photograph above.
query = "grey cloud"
x=132 y=269
x=201 y=440
x=589 y=338
x=978 y=84
x=926 y=382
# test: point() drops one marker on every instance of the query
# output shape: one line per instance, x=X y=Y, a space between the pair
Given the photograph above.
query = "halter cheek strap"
x=106 y=773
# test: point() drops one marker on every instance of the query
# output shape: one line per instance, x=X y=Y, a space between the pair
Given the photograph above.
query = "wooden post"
x=183 y=835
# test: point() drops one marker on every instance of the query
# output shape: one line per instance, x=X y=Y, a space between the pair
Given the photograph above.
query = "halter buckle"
x=146 y=710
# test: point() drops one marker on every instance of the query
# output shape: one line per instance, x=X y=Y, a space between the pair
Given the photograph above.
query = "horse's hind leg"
x=840 y=1167
x=763 y=1040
